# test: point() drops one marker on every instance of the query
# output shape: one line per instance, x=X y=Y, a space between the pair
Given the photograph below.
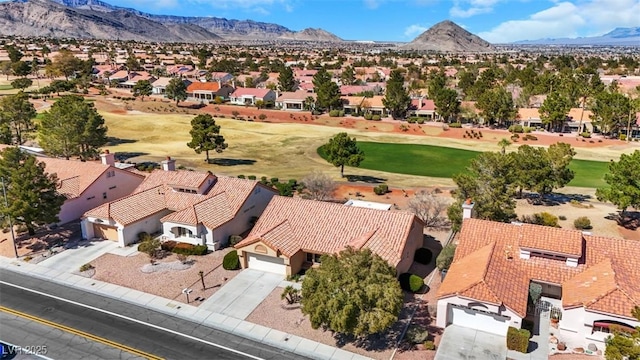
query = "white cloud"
x=469 y=8
x=414 y=30
x=372 y=4
x=569 y=19
x=256 y=6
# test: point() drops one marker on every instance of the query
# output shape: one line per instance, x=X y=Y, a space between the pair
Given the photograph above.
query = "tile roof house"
x=593 y=281
x=160 y=85
x=187 y=206
x=424 y=108
x=293 y=101
x=249 y=96
x=374 y=105
x=88 y=184
x=292 y=234
x=208 y=91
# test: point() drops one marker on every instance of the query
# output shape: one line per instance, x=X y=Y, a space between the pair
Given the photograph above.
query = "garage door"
x=479 y=320
x=105 y=232
x=267 y=263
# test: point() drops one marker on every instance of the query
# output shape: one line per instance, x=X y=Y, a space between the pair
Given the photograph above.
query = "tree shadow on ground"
x=46 y=238
x=630 y=220
x=124 y=156
x=113 y=141
x=554 y=199
x=231 y=162
x=365 y=178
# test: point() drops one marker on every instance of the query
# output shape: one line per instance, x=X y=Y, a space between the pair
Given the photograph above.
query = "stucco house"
x=87 y=184
x=424 y=108
x=249 y=96
x=187 y=206
x=292 y=234
x=208 y=91
x=293 y=101
x=592 y=282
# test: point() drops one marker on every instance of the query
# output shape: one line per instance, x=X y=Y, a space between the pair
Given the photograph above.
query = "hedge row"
x=184 y=248
x=518 y=339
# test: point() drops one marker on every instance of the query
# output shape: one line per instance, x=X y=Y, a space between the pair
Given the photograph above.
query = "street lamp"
x=187 y=291
x=6 y=204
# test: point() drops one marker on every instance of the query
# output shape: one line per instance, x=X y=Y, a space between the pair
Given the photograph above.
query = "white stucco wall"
x=149 y=224
x=120 y=185
x=195 y=230
x=577 y=324
x=441 y=319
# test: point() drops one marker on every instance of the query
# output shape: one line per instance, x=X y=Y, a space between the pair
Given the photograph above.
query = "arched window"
x=610 y=326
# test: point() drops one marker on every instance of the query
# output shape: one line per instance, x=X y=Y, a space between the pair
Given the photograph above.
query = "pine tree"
x=176 y=90
x=16 y=116
x=142 y=88
x=328 y=92
x=396 y=98
x=342 y=150
x=205 y=135
x=286 y=81
x=31 y=192
x=554 y=110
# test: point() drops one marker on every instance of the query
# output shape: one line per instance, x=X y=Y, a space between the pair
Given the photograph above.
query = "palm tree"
x=503 y=145
x=309 y=103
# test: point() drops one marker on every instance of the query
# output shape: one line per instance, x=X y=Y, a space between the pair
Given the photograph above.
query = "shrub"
x=429 y=345
x=623 y=137
x=529 y=137
x=190 y=249
x=274 y=180
x=231 y=261
x=381 y=189
x=456 y=125
x=368 y=116
x=241 y=177
x=518 y=339
x=291 y=294
x=423 y=256
x=586 y=134
x=234 y=239
x=168 y=245
x=149 y=246
x=262 y=117
x=420 y=121
x=444 y=259
x=527 y=129
x=417 y=334
x=516 y=129
x=582 y=223
x=86 y=267
x=143 y=235
x=251 y=177
x=334 y=113
x=341 y=113
x=543 y=218
x=412 y=120
x=411 y=282
x=562 y=217
x=376 y=118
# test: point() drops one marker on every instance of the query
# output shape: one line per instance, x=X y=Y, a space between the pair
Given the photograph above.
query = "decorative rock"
x=592 y=347
x=553 y=340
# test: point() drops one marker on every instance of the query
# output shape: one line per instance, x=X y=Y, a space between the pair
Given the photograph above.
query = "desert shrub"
x=262 y=117
x=518 y=339
x=623 y=137
x=274 y=180
x=420 y=121
x=429 y=345
x=455 y=125
x=150 y=246
x=234 y=239
x=586 y=134
x=190 y=249
x=529 y=137
x=86 y=267
x=516 y=129
x=376 y=118
x=562 y=217
x=168 y=245
x=251 y=177
x=582 y=223
x=381 y=189
x=411 y=282
x=527 y=129
x=235 y=113
x=412 y=120
x=241 y=177
x=368 y=116
x=291 y=295
x=27 y=258
x=444 y=259
x=143 y=235
x=334 y=113
x=182 y=258
x=543 y=218
x=417 y=334
x=231 y=261
x=423 y=256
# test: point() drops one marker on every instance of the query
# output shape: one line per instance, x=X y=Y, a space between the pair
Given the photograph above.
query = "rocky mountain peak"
x=447 y=36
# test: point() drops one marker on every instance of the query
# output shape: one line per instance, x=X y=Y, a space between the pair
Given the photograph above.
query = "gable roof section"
x=327 y=228
x=259 y=93
x=605 y=279
x=554 y=240
x=203 y=86
x=180 y=178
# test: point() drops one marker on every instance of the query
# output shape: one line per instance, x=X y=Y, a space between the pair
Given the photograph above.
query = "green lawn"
x=6 y=87
x=437 y=161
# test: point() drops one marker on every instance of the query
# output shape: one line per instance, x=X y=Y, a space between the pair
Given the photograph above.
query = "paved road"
x=145 y=338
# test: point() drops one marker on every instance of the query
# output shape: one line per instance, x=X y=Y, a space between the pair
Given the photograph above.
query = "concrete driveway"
x=242 y=294
x=71 y=259
x=459 y=343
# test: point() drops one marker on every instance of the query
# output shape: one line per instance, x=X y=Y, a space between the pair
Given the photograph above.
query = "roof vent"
x=517 y=223
x=587 y=233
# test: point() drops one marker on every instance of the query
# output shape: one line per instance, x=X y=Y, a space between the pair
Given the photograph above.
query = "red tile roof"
x=606 y=279
x=292 y=224
x=203 y=86
x=259 y=93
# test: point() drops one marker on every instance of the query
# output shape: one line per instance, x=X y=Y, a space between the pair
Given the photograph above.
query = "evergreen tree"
x=66 y=64
x=327 y=92
x=554 y=110
x=16 y=116
x=342 y=150
x=142 y=88
x=205 y=135
x=31 y=192
x=354 y=293
x=21 y=83
x=348 y=76
x=496 y=106
x=396 y=98
x=176 y=90
x=72 y=127
x=611 y=111
x=286 y=81
x=447 y=103
x=623 y=182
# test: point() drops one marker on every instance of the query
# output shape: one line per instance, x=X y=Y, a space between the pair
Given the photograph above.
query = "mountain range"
x=618 y=37
x=447 y=36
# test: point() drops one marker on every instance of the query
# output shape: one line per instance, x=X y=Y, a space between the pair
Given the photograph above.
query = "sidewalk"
x=268 y=336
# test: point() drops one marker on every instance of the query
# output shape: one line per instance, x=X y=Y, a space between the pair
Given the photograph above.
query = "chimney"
x=467 y=209
x=420 y=106
x=169 y=164
x=108 y=158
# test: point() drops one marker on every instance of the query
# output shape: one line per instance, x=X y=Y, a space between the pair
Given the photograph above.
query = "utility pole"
x=6 y=204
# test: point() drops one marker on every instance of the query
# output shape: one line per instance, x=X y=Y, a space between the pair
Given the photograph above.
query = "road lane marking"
x=80 y=333
x=238 y=352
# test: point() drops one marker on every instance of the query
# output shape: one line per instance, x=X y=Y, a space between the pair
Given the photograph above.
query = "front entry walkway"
x=242 y=294
x=459 y=343
x=71 y=259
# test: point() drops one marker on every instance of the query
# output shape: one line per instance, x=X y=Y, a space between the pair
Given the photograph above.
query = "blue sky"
x=401 y=20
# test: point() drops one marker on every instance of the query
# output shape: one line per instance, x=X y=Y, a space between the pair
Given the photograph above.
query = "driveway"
x=459 y=343
x=242 y=294
x=71 y=259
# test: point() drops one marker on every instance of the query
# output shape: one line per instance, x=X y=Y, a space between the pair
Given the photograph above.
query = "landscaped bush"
x=150 y=247
x=231 y=261
x=411 y=282
x=241 y=177
x=527 y=129
x=423 y=256
x=251 y=177
x=586 y=134
x=623 y=137
x=376 y=118
x=381 y=189
x=190 y=249
x=429 y=345
x=582 y=223
x=334 y=113
x=529 y=137
x=412 y=120
x=444 y=259
x=368 y=116
x=234 y=239
x=562 y=217
x=168 y=245
x=143 y=235
x=86 y=267
x=274 y=180
x=516 y=129
x=455 y=125
x=518 y=339
x=543 y=218
x=420 y=121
